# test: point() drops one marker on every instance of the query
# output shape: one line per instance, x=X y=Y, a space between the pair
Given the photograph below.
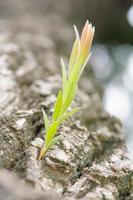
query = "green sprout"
x=78 y=59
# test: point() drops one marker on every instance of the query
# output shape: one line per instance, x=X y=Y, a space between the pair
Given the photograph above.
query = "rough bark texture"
x=90 y=161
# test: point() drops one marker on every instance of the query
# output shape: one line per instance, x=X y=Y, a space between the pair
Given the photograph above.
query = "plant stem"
x=42 y=153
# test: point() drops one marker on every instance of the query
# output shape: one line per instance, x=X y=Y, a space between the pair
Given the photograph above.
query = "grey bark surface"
x=90 y=161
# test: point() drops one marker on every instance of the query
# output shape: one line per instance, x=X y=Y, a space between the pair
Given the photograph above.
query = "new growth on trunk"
x=79 y=57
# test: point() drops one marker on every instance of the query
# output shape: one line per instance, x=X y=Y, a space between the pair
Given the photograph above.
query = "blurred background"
x=112 y=58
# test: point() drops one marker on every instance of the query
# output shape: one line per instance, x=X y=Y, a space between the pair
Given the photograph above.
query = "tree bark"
x=90 y=161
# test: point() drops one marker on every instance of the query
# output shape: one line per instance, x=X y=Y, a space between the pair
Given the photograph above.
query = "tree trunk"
x=90 y=161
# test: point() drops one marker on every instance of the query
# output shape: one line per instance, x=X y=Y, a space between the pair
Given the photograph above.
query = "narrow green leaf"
x=53 y=142
x=51 y=132
x=83 y=67
x=73 y=56
x=64 y=74
x=46 y=120
x=69 y=96
x=75 y=51
x=68 y=114
x=58 y=106
x=75 y=72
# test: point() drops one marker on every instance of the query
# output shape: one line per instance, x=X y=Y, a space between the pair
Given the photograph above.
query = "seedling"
x=78 y=59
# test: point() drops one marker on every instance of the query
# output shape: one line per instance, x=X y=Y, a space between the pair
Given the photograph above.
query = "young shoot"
x=78 y=59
